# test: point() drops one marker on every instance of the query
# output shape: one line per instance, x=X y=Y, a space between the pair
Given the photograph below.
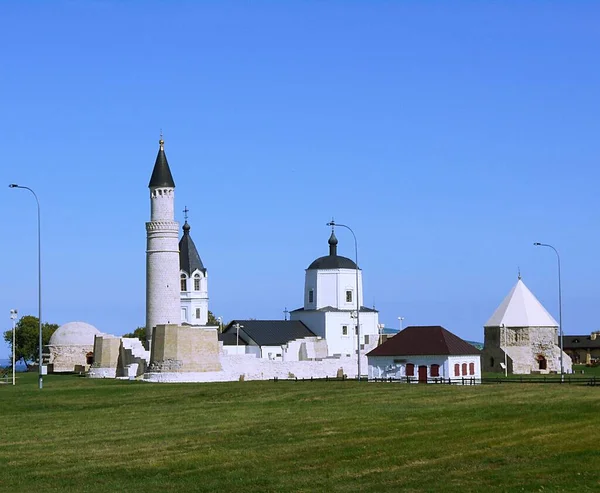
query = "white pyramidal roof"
x=521 y=309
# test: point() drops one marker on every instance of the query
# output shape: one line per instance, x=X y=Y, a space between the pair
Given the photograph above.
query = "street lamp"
x=237 y=337
x=14 y=185
x=220 y=319
x=332 y=223
x=400 y=319
x=13 y=317
x=560 y=326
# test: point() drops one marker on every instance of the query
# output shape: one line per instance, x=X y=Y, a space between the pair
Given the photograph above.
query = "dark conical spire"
x=161 y=175
x=189 y=260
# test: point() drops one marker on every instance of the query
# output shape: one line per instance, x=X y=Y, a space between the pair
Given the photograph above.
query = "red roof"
x=424 y=340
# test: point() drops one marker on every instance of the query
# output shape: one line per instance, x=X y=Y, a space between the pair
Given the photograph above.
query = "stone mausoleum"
x=522 y=337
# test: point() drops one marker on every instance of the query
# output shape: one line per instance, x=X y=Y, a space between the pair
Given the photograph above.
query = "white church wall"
x=326 y=293
x=248 y=367
x=332 y=286
x=314 y=320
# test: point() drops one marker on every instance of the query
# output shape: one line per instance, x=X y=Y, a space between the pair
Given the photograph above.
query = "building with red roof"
x=425 y=354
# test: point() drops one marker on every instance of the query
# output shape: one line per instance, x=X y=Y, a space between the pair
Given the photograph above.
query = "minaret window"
x=348 y=296
x=183 y=282
x=197 y=283
x=311 y=296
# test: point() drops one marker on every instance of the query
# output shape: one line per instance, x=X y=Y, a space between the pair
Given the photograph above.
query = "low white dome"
x=74 y=334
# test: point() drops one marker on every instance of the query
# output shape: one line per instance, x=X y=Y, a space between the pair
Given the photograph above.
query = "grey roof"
x=333 y=260
x=161 y=174
x=230 y=339
x=580 y=342
x=189 y=260
x=270 y=332
x=332 y=309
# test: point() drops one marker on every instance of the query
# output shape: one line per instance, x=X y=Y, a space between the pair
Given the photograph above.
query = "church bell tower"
x=162 y=251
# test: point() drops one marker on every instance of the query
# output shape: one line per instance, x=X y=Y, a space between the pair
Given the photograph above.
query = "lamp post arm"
x=560 y=325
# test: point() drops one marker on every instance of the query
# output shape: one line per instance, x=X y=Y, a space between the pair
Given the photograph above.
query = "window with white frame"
x=344 y=330
x=196 y=282
x=348 y=296
x=311 y=296
x=197 y=312
x=183 y=282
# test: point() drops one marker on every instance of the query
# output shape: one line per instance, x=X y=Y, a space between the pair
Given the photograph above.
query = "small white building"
x=425 y=354
x=71 y=345
x=330 y=302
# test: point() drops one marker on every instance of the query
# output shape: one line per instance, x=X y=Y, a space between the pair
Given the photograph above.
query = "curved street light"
x=333 y=223
x=14 y=185
x=560 y=326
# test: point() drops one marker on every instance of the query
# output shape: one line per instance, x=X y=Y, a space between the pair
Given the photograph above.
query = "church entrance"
x=422 y=374
x=542 y=364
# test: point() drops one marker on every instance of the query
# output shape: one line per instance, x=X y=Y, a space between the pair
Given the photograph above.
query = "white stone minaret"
x=162 y=252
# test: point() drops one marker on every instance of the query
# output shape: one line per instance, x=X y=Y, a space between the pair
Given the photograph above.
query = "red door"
x=422 y=374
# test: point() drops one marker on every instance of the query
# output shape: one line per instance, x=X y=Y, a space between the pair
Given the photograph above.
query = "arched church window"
x=471 y=368
x=183 y=282
x=348 y=296
x=457 y=370
x=196 y=282
x=464 y=368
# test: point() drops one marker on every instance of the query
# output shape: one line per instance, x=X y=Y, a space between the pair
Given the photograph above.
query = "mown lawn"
x=105 y=435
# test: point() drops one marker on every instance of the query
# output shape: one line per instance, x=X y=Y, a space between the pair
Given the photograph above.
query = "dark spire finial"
x=161 y=141
x=186 y=226
x=519 y=275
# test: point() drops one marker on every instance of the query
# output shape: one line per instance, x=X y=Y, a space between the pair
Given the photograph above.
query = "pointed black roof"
x=189 y=260
x=161 y=175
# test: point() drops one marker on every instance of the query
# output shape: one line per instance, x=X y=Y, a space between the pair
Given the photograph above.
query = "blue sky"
x=449 y=135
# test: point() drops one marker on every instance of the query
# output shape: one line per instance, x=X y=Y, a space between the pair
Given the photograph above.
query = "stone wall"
x=248 y=367
x=178 y=348
x=106 y=356
x=65 y=358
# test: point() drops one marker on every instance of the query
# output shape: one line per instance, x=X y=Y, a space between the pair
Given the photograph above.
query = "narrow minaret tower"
x=162 y=253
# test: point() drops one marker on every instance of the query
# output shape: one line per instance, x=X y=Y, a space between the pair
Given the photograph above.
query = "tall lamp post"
x=560 y=325
x=333 y=223
x=14 y=185
x=400 y=319
x=13 y=317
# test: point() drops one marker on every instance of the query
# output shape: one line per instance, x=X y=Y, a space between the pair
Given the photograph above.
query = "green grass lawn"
x=105 y=435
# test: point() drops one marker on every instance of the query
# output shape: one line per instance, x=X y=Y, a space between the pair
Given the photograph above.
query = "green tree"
x=212 y=320
x=27 y=338
x=140 y=333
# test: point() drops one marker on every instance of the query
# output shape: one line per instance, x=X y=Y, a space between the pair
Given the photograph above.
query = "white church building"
x=193 y=281
x=330 y=302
